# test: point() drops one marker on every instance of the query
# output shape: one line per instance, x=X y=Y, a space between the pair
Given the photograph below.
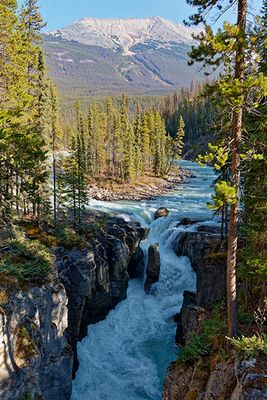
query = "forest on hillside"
x=112 y=138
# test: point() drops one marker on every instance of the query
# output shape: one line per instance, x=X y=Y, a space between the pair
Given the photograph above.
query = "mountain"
x=107 y=56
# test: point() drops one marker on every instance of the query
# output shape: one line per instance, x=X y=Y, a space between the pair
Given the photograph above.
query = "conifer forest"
x=153 y=187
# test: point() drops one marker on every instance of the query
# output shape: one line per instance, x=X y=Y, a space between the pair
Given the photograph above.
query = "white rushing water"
x=125 y=357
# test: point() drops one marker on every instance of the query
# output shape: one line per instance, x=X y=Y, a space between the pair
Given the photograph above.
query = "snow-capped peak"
x=125 y=33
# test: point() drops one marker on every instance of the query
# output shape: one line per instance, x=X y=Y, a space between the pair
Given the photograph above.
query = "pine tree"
x=234 y=90
x=159 y=145
x=81 y=177
x=151 y=127
x=32 y=21
x=129 y=171
x=255 y=187
x=145 y=142
x=72 y=183
x=109 y=136
x=43 y=104
x=90 y=153
x=262 y=34
x=54 y=138
x=22 y=188
x=118 y=148
x=175 y=146
x=138 y=144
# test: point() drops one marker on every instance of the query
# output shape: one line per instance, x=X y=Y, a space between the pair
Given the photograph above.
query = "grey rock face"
x=34 y=354
x=251 y=379
x=203 y=247
x=153 y=267
x=96 y=279
x=161 y=212
x=39 y=328
x=222 y=381
x=233 y=379
x=190 y=319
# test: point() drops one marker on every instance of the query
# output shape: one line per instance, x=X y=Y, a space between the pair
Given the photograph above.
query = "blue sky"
x=59 y=13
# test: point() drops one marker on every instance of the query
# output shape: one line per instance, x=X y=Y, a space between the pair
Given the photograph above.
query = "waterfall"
x=125 y=357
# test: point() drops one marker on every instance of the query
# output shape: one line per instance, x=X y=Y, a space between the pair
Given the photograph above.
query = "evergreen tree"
x=255 y=188
x=175 y=146
x=54 y=138
x=43 y=99
x=72 y=183
x=128 y=159
x=232 y=47
x=262 y=35
x=109 y=136
x=159 y=151
x=118 y=148
x=32 y=21
x=138 y=144
x=145 y=142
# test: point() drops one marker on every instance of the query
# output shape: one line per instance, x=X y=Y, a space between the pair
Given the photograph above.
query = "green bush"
x=211 y=338
x=27 y=260
x=196 y=348
x=251 y=346
x=68 y=237
x=244 y=316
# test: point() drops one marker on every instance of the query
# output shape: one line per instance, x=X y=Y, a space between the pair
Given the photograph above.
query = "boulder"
x=153 y=266
x=95 y=281
x=161 y=212
x=131 y=233
x=136 y=264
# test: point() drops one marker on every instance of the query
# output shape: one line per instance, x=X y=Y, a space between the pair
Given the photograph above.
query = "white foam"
x=125 y=357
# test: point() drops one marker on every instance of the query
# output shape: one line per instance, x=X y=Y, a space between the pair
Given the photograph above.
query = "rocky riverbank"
x=214 y=374
x=145 y=188
x=40 y=325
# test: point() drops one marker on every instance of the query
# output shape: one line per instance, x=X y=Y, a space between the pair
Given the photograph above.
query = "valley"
x=142 y=56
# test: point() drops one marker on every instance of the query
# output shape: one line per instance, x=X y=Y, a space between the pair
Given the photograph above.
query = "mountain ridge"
x=124 y=33
x=107 y=56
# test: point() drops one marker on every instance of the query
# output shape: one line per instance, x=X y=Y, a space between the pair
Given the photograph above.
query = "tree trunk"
x=237 y=127
x=54 y=190
x=54 y=173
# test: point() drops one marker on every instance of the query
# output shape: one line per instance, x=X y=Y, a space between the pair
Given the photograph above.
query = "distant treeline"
x=197 y=111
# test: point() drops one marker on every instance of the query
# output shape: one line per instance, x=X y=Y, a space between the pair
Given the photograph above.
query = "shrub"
x=211 y=339
x=244 y=316
x=27 y=260
x=196 y=348
x=68 y=238
x=248 y=347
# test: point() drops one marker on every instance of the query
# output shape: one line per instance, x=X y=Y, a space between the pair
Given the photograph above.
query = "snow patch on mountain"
x=124 y=34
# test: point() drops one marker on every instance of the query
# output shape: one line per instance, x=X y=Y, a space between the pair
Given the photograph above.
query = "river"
x=125 y=357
